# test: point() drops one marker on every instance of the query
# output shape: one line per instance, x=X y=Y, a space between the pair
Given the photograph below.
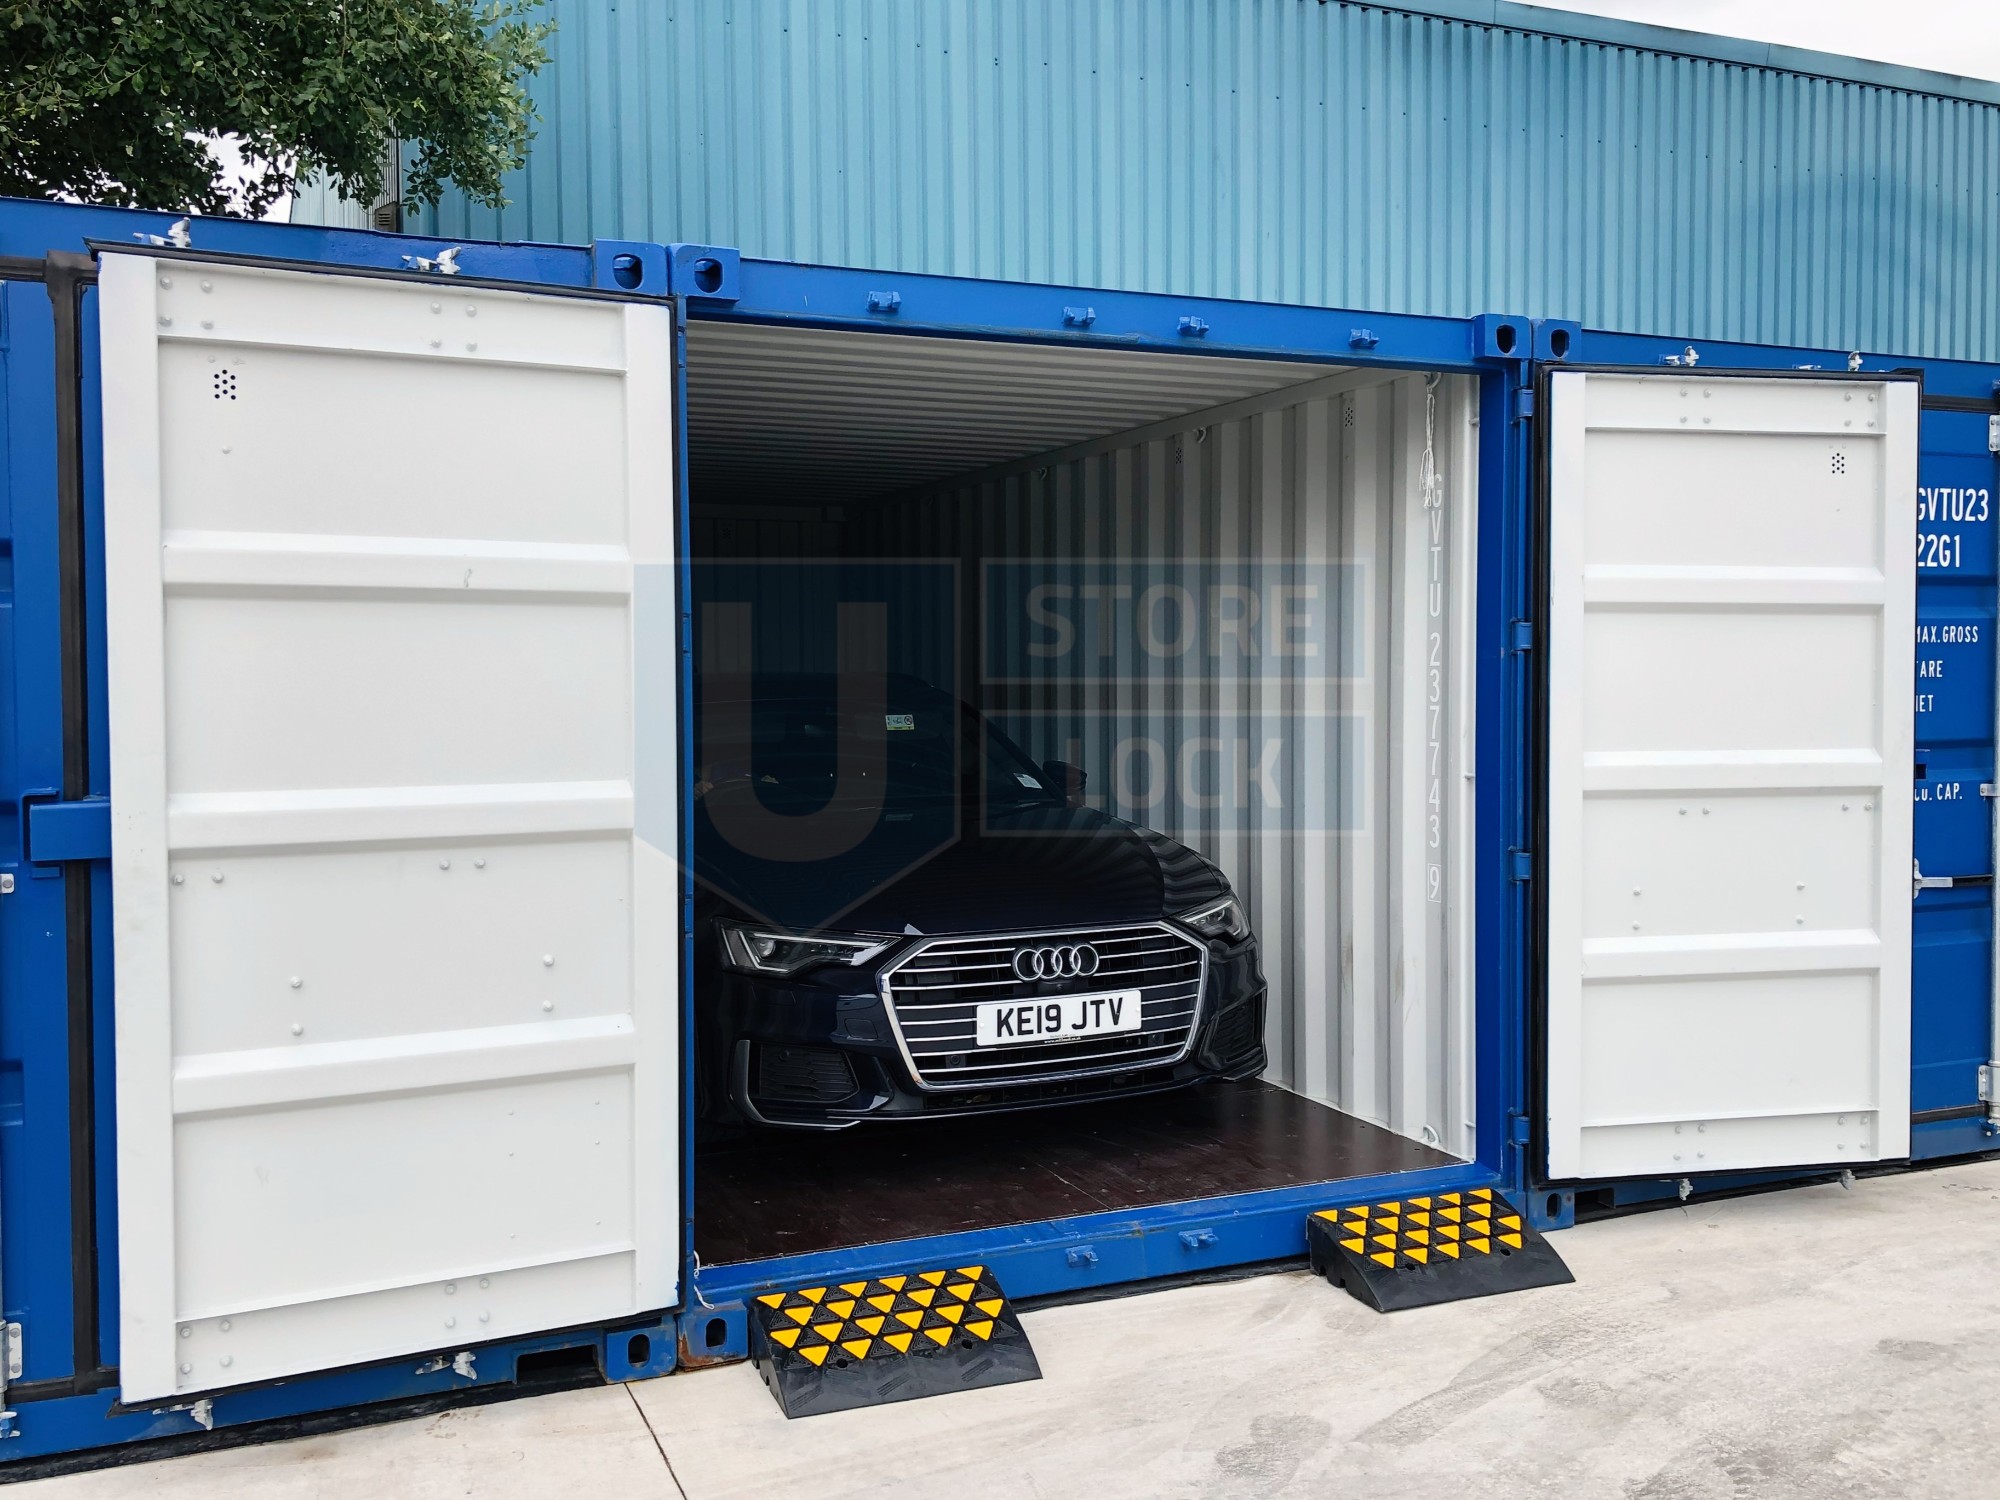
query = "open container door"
x=392 y=687
x=1731 y=635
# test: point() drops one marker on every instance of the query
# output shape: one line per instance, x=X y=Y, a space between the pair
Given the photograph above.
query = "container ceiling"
x=813 y=416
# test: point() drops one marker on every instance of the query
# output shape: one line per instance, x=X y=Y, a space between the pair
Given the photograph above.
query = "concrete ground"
x=1817 y=1343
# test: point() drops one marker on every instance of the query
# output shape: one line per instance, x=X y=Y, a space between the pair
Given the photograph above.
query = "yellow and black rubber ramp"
x=888 y=1338
x=1447 y=1247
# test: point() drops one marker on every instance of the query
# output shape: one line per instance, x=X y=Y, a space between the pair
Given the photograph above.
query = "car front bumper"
x=820 y=1052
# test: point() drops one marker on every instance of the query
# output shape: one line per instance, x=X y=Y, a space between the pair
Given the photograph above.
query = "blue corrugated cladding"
x=1278 y=150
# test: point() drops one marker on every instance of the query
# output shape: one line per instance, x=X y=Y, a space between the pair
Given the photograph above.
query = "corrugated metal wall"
x=1282 y=150
x=317 y=201
x=1333 y=786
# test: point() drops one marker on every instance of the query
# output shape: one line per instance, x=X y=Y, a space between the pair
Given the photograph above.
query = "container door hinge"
x=10 y=1364
x=462 y=1364
x=1520 y=864
x=6 y=883
x=1986 y=1081
x=1520 y=635
x=1920 y=882
x=176 y=237
x=1993 y=433
x=1520 y=1130
x=1524 y=405
x=444 y=263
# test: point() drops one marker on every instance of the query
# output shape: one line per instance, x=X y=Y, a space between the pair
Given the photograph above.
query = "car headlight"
x=1218 y=919
x=756 y=950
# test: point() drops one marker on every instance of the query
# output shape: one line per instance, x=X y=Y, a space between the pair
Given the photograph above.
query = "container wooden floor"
x=793 y=1193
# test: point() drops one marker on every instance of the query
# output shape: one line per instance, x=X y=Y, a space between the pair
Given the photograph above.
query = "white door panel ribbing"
x=395 y=902
x=1731 y=643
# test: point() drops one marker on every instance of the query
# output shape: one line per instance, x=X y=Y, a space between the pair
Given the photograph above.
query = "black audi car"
x=900 y=914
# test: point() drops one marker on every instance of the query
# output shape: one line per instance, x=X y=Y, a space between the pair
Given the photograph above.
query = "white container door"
x=1731 y=637
x=392 y=661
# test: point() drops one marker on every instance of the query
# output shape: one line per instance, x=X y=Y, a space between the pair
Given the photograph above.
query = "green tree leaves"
x=116 y=101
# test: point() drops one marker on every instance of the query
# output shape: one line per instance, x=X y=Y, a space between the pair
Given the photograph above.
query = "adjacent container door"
x=391 y=641
x=1731 y=635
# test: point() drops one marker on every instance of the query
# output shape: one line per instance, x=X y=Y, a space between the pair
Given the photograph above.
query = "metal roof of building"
x=1460 y=157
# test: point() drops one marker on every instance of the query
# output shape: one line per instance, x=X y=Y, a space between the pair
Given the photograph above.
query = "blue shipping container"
x=72 y=1043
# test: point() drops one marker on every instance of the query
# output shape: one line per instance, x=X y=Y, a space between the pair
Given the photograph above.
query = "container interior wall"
x=1336 y=794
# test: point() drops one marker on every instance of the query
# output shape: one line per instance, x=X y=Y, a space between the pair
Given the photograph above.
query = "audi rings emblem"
x=1071 y=961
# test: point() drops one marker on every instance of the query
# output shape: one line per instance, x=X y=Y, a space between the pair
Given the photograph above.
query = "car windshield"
x=801 y=749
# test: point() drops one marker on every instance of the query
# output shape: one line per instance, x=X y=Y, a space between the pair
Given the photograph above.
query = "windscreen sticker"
x=899 y=721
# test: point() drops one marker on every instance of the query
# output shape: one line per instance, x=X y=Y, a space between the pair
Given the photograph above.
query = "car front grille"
x=933 y=993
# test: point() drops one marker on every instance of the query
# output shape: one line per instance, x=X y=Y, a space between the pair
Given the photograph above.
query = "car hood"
x=1033 y=868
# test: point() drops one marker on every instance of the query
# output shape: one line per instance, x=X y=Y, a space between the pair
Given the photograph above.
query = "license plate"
x=1007 y=1023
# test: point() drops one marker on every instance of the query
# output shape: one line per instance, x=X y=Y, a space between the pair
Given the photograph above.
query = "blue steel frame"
x=1061 y=1255
x=1108 y=1249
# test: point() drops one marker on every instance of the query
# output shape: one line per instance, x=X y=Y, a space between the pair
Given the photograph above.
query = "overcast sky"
x=1948 y=36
